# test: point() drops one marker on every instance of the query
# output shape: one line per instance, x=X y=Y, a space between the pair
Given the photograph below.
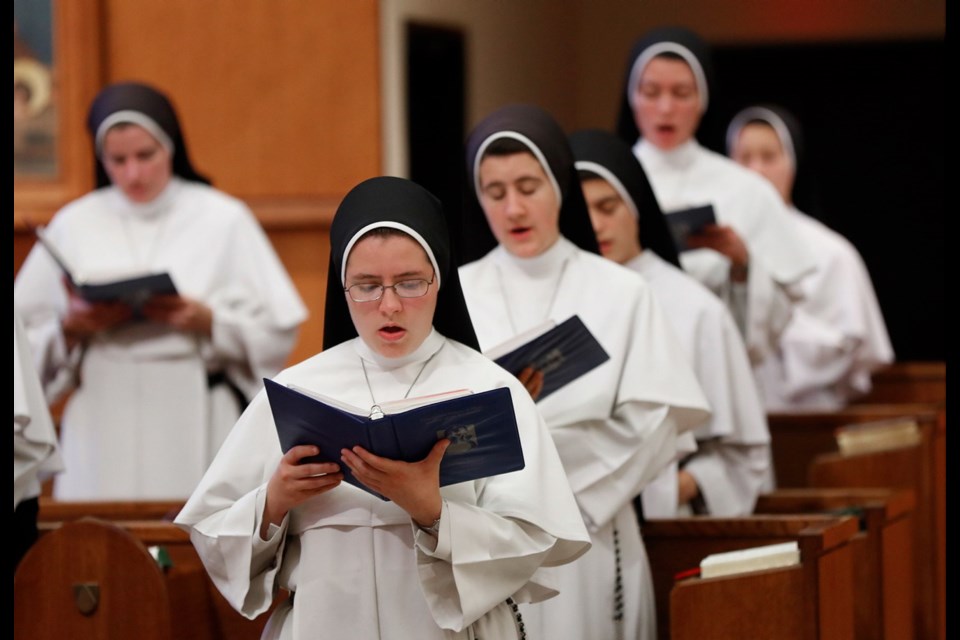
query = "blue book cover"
x=482 y=428
x=134 y=290
x=686 y=222
x=563 y=354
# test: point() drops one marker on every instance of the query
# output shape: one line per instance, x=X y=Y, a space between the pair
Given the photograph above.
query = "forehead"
x=758 y=134
x=510 y=167
x=126 y=135
x=664 y=70
x=596 y=188
x=386 y=255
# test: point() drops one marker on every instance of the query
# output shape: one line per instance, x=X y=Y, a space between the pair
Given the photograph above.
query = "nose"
x=513 y=203
x=596 y=222
x=390 y=302
x=131 y=170
x=664 y=102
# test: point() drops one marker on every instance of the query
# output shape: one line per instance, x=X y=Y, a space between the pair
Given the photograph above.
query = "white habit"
x=732 y=463
x=141 y=422
x=837 y=337
x=36 y=455
x=615 y=428
x=690 y=176
x=359 y=566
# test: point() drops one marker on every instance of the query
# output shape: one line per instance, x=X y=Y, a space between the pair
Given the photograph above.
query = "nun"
x=533 y=257
x=837 y=337
x=152 y=391
x=751 y=258
x=430 y=562
x=731 y=463
x=36 y=453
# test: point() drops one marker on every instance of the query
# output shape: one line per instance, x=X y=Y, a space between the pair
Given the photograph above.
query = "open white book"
x=771 y=556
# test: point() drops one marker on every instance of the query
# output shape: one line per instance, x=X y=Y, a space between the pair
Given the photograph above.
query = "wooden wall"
x=279 y=102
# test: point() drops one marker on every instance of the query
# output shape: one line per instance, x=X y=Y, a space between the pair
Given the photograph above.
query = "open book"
x=482 y=428
x=133 y=290
x=563 y=352
x=879 y=435
x=685 y=222
x=770 y=556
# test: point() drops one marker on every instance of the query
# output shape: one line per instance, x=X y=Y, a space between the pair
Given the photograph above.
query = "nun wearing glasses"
x=428 y=562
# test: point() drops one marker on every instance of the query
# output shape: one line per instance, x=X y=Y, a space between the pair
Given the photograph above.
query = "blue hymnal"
x=133 y=290
x=562 y=354
x=482 y=428
x=686 y=222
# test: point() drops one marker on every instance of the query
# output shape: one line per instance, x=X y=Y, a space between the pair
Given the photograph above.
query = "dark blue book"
x=134 y=290
x=482 y=428
x=562 y=353
x=686 y=222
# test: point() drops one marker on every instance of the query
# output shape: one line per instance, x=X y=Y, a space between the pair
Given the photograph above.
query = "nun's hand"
x=84 y=319
x=412 y=486
x=181 y=313
x=293 y=483
x=723 y=239
x=532 y=379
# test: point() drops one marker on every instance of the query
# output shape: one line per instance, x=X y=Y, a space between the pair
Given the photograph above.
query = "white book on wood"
x=785 y=554
x=880 y=435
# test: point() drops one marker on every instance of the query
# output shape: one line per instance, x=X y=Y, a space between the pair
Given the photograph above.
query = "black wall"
x=874 y=130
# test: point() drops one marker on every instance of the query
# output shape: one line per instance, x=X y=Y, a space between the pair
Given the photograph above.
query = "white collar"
x=153 y=209
x=547 y=264
x=678 y=158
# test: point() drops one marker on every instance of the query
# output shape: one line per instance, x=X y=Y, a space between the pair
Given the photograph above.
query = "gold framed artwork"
x=56 y=73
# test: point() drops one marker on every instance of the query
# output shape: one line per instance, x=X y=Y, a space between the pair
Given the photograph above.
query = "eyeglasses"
x=369 y=292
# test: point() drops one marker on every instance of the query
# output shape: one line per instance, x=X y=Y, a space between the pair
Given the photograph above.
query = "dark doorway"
x=874 y=130
x=435 y=111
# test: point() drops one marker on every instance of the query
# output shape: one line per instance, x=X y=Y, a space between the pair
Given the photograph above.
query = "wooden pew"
x=805 y=454
x=908 y=382
x=197 y=609
x=90 y=579
x=759 y=604
x=882 y=551
x=56 y=511
x=813 y=601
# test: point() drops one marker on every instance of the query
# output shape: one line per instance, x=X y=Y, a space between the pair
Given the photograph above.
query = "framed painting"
x=56 y=73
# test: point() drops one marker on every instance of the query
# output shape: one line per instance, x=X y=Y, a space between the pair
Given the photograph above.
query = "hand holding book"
x=481 y=427
x=550 y=356
x=131 y=289
x=412 y=486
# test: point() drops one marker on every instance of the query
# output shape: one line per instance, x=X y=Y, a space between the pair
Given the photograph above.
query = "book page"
x=333 y=402
x=399 y=406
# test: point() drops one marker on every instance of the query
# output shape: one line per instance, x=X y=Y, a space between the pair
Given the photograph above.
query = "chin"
x=525 y=250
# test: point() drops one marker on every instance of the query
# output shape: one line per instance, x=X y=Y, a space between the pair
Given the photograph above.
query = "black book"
x=686 y=222
x=563 y=352
x=482 y=428
x=133 y=290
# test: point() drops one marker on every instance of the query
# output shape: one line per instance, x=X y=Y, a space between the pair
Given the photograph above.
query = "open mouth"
x=519 y=231
x=392 y=332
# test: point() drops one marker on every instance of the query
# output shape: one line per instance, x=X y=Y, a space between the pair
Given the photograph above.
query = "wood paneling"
x=277 y=99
